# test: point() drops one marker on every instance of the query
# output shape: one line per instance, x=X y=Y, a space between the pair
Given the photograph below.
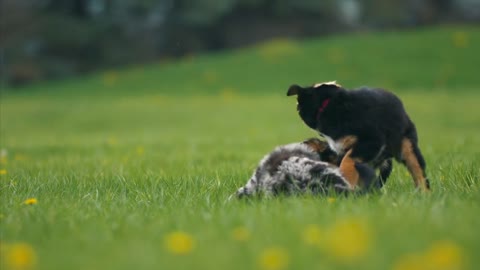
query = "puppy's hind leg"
x=367 y=175
x=412 y=158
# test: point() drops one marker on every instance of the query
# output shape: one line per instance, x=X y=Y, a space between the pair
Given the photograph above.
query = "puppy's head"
x=323 y=149
x=313 y=100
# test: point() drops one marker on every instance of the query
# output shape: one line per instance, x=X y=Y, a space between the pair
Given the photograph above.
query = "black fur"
x=375 y=116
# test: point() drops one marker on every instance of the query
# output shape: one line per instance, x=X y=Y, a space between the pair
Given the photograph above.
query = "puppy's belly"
x=345 y=143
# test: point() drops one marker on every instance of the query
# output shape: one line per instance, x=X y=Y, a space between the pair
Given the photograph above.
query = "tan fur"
x=348 y=170
x=412 y=165
x=347 y=142
x=316 y=145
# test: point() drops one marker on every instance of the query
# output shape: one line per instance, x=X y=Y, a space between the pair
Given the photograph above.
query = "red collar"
x=323 y=107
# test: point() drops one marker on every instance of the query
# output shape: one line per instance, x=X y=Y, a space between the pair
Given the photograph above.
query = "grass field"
x=131 y=169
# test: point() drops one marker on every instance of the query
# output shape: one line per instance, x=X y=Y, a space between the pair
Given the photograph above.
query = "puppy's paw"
x=342 y=188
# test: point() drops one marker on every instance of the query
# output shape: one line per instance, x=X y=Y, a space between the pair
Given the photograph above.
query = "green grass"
x=120 y=160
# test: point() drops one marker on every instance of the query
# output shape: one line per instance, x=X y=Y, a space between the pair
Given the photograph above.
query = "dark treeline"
x=51 y=39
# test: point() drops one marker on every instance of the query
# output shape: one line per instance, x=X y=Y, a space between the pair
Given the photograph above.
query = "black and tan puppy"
x=365 y=126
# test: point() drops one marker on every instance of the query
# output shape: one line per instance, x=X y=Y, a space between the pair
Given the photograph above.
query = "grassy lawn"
x=131 y=168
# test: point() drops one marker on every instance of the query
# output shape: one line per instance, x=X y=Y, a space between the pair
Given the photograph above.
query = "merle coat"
x=299 y=168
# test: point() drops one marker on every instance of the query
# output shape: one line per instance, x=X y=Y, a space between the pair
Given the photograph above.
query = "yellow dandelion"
x=336 y=55
x=227 y=93
x=274 y=259
x=140 y=150
x=20 y=157
x=112 y=141
x=179 y=243
x=30 y=201
x=3 y=160
x=20 y=256
x=346 y=73
x=210 y=76
x=276 y=49
x=190 y=58
x=110 y=78
x=253 y=131
x=460 y=39
x=410 y=262
x=312 y=235
x=3 y=172
x=240 y=234
x=159 y=99
x=331 y=200
x=348 y=240
x=445 y=255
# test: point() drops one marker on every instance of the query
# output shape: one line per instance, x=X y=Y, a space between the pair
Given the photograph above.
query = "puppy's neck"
x=322 y=107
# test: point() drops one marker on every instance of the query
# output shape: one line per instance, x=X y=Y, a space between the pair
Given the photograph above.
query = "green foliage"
x=320 y=7
x=120 y=161
x=205 y=12
x=53 y=39
x=430 y=59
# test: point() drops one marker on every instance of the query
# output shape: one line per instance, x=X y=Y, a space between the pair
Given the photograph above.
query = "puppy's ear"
x=294 y=90
x=317 y=145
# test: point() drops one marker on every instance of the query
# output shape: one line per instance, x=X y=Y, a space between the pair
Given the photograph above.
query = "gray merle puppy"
x=300 y=168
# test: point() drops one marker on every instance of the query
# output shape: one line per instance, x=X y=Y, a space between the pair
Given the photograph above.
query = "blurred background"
x=55 y=39
x=126 y=122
